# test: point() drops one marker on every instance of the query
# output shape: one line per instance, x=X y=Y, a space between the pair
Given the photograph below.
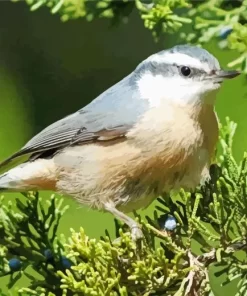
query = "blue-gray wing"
x=109 y=116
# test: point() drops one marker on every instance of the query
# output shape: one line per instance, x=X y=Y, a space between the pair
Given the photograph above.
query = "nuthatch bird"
x=153 y=131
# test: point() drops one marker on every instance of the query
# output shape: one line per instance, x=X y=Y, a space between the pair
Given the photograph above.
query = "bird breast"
x=169 y=148
x=177 y=147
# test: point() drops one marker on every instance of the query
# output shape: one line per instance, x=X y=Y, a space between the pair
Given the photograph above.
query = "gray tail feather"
x=12 y=180
x=7 y=183
x=3 y=183
x=16 y=179
x=11 y=162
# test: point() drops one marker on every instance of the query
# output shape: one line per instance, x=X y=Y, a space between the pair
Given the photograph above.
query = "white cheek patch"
x=158 y=89
x=151 y=88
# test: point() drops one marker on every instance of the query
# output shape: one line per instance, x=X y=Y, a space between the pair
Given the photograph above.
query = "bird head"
x=183 y=74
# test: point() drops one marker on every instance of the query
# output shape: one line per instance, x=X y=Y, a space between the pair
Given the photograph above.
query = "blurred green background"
x=49 y=69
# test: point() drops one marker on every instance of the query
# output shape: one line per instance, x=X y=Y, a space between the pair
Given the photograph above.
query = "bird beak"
x=224 y=74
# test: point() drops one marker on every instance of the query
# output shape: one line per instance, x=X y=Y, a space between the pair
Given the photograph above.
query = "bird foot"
x=136 y=233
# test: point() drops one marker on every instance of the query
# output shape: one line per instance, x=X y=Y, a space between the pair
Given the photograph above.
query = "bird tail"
x=36 y=175
x=12 y=181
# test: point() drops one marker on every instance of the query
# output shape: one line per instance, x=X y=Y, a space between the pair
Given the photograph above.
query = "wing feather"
x=109 y=116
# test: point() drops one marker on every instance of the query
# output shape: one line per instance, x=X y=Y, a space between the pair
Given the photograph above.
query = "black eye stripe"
x=193 y=70
x=168 y=69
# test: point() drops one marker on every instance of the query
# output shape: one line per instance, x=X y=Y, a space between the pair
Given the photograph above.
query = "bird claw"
x=136 y=233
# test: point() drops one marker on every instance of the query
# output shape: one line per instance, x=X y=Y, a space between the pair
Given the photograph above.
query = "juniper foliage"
x=194 y=21
x=211 y=229
x=188 y=233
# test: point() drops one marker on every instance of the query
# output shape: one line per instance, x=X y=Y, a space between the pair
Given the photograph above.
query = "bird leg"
x=135 y=229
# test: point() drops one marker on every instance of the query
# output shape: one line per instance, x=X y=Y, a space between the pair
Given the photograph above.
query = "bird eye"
x=185 y=71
